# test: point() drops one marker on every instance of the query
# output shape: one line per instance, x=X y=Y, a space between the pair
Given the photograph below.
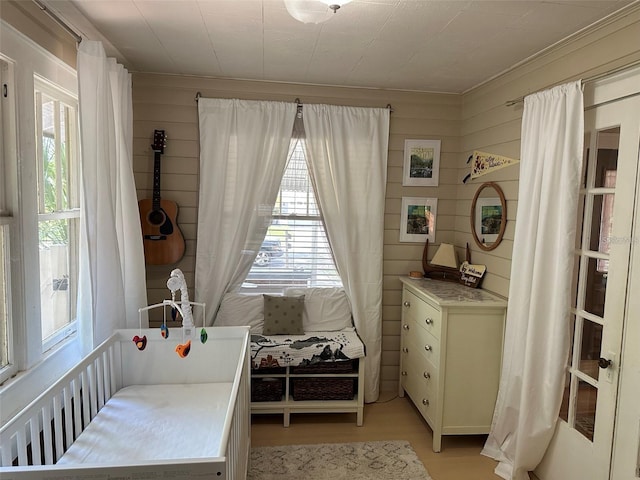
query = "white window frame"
x=42 y=86
x=7 y=201
x=32 y=366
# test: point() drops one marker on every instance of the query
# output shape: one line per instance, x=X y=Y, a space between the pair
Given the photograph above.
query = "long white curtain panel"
x=112 y=285
x=347 y=153
x=537 y=331
x=243 y=154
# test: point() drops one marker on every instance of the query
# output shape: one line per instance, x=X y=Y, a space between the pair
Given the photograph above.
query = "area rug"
x=387 y=460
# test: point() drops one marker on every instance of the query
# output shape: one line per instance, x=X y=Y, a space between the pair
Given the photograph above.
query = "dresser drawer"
x=423 y=395
x=417 y=338
x=417 y=369
x=425 y=315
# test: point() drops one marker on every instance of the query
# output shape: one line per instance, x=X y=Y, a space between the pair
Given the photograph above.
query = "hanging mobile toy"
x=164 y=331
x=183 y=349
x=141 y=342
x=203 y=333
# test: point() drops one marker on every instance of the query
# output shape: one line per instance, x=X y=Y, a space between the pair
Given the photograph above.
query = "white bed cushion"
x=325 y=309
x=239 y=309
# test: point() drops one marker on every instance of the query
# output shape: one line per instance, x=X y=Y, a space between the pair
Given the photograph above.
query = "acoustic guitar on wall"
x=162 y=239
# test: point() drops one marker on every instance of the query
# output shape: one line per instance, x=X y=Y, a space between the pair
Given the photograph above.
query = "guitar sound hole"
x=156 y=217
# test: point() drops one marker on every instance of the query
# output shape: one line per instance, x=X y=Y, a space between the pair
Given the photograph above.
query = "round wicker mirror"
x=488 y=216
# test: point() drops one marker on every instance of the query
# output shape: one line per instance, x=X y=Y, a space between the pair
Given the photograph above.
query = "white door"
x=582 y=445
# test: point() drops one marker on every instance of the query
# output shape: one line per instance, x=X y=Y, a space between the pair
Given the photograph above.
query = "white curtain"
x=537 y=332
x=112 y=283
x=347 y=154
x=243 y=154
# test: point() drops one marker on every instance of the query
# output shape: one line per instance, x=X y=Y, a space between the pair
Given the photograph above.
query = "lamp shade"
x=445 y=256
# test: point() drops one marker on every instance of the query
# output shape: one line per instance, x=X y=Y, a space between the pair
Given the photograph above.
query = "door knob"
x=604 y=363
x=407 y=303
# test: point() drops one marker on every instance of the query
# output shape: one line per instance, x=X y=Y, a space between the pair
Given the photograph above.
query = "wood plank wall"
x=168 y=102
x=488 y=125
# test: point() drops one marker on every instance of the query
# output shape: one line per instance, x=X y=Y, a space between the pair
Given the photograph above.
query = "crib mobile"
x=175 y=282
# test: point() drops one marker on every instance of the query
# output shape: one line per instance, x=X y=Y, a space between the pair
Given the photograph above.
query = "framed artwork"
x=488 y=220
x=421 y=163
x=418 y=219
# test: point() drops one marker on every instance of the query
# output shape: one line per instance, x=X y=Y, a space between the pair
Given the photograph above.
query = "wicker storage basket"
x=269 y=370
x=344 y=366
x=266 y=389
x=318 y=388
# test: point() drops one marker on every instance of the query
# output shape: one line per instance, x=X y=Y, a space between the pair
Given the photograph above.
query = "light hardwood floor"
x=388 y=419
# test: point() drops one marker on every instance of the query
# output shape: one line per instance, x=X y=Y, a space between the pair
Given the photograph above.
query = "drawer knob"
x=404 y=374
x=428 y=348
x=428 y=321
x=425 y=402
x=405 y=350
x=405 y=326
x=407 y=303
x=427 y=375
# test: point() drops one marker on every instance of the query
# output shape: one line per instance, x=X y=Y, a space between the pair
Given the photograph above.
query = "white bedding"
x=155 y=422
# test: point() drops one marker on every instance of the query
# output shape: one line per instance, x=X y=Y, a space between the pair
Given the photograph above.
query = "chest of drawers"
x=450 y=359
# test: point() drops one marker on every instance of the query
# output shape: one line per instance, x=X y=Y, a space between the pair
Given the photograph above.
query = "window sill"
x=25 y=386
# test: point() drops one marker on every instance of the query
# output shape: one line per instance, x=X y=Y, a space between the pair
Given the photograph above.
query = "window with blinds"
x=295 y=251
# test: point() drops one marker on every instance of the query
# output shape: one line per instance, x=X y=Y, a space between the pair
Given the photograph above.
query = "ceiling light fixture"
x=313 y=11
x=335 y=5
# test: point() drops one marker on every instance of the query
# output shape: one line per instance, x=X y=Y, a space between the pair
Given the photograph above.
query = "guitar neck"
x=156 y=181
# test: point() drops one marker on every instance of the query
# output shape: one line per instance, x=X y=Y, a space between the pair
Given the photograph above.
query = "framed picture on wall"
x=488 y=219
x=418 y=219
x=421 y=163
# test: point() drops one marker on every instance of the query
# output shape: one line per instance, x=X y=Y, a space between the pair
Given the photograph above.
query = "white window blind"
x=295 y=251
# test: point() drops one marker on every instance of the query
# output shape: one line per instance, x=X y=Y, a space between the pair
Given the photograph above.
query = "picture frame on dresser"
x=421 y=163
x=418 y=219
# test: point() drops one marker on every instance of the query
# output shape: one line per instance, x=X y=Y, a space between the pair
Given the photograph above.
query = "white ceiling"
x=425 y=45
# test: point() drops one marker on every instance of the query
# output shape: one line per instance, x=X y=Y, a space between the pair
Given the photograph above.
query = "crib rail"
x=239 y=441
x=46 y=428
x=35 y=439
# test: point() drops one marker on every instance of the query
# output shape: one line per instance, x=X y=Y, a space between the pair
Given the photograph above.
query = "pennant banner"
x=484 y=163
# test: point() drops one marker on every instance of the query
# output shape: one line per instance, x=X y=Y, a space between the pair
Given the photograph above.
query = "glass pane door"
x=591 y=275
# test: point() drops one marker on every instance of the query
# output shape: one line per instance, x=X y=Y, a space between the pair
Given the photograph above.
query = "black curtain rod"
x=297 y=100
x=58 y=20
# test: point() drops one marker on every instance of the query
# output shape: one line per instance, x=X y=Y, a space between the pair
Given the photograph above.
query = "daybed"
x=311 y=364
x=129 y=413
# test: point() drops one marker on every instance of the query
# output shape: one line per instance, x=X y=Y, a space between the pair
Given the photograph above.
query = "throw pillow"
x=283 y=315
x=325 y=309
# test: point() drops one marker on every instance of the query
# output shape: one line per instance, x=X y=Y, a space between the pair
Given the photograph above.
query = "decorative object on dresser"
x=451 y=350
x=162 y=239
x=472 y=275
x=444 y=264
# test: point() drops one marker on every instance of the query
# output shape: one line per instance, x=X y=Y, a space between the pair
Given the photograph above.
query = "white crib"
x=73 y=429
